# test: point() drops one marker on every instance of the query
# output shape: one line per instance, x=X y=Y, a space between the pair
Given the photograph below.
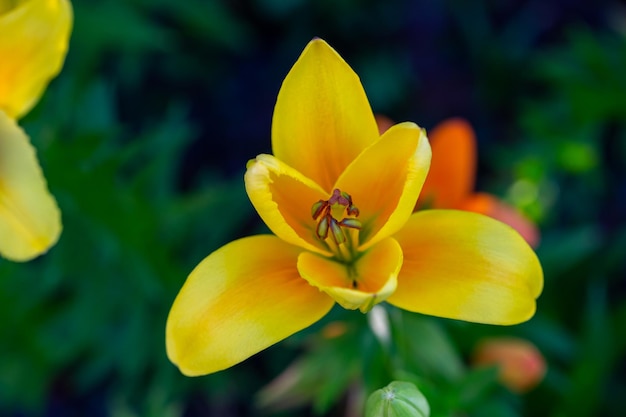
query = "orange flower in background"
x=521 y=366
x=451 y=180
x=339 y=199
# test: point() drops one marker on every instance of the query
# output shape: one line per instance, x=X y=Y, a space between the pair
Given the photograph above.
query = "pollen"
x=326 y=213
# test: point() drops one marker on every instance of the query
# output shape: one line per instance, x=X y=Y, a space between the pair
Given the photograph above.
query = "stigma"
x=326 y=212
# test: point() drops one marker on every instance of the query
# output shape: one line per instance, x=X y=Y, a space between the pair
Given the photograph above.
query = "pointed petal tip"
x=453 y=169
x=322 y=119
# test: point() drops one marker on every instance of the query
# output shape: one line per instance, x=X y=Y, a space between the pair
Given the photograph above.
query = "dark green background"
x=144 y=138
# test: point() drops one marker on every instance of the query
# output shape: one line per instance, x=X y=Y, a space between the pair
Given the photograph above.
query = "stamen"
x=322 y=228
x=351 y=223
x=335 y=229
x=322 y=211
x=317 y=208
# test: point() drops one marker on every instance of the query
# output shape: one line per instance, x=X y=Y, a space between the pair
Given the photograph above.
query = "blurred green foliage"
x=144 y=137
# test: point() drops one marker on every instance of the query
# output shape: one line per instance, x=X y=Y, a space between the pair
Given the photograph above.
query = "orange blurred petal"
x=453 y=166
x=521 y=365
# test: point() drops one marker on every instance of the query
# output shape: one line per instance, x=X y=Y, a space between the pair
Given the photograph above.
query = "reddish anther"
x=322 y=212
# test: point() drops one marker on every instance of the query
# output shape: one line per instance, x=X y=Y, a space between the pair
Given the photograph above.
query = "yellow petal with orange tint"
x=385 y=181
x=30 y=221
x=239 y=300
x=493 y=207
x=466 y=266
x=369 y=280
x=283 y=198
x=322 y=119
x=34 y=37
x=453 y=167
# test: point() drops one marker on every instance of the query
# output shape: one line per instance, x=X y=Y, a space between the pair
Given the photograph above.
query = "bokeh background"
x=144 y=138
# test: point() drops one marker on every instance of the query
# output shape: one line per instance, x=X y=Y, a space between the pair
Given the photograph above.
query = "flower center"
x=340 y=236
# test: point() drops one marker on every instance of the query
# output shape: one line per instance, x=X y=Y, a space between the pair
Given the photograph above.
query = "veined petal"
x=366 y=282
x=30 y=221
x=34 y=37
x=385 y=181
x=466 y=266
x=322 y=119
x=239 y=300
x=491 y=206
x=453 y=167
x=283 y=198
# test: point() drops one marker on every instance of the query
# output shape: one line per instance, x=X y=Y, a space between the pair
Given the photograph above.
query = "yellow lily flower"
x=339 y=198
x=34 y=36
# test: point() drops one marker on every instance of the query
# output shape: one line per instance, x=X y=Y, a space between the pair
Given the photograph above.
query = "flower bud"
x=521 y=365
x=398 y=399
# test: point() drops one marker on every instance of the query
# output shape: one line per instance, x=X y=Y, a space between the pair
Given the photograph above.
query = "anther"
x=322 y=228
x=322 y=212
x=338 y=236
x=351 y=223
x=317 y=208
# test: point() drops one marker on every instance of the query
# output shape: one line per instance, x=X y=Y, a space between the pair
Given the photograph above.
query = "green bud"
x=398 y=399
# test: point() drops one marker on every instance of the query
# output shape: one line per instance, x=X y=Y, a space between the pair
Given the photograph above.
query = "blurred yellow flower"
x=339 y=198
x=34 y=36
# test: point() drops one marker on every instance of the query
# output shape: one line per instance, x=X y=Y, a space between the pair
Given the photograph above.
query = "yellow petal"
x=466 y=266
x=30 y=221
x=283 y=198
x=385 y=181
x=366 y=282
x=453 y=167
x=239 y=300
x=322 y=119
x=34 y=37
